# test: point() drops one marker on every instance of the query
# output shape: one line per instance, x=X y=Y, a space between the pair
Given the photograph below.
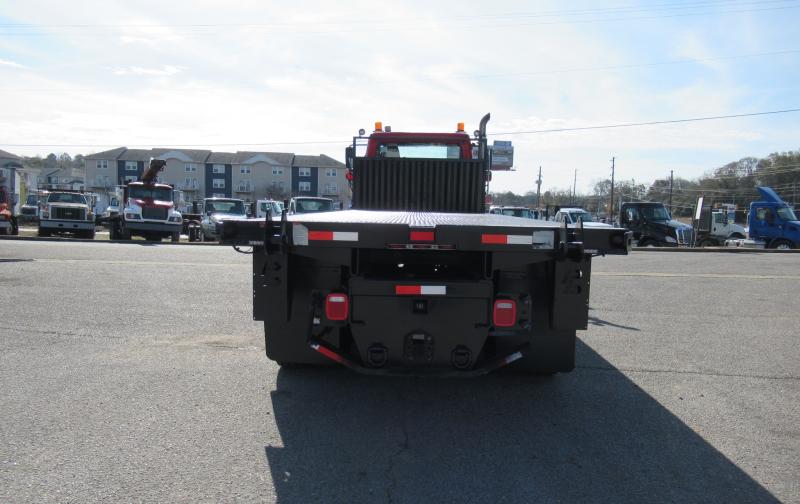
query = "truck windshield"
x=31 y=200
x=584 y=216
x=155 y=193
x=655 y=213
x=270 y=206
x=230 y=207
x=427 y=151
x=786 y=213
x=313 y=205
x=66 y=198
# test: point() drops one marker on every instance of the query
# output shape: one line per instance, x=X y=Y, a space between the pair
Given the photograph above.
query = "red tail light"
x=505 y=313
x=422 y=236
x=337 y=306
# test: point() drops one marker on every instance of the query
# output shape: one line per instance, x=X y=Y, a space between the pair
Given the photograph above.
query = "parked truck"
x=67 y=212
x=148 y=209
x=772 y=223
x=714 y=225
x=653 y=226
x=9 y=219
x=417 y=278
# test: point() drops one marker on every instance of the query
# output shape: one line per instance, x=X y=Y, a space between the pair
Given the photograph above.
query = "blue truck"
x=772 y=223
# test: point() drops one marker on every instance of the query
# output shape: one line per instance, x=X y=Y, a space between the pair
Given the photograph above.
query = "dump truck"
x=417 y=278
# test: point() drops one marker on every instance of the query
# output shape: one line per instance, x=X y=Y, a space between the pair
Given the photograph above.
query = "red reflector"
x=337 y=306
x=494 y=239
x=505 y=313
x=320 y=235
x=408 y=290
x=422 y=236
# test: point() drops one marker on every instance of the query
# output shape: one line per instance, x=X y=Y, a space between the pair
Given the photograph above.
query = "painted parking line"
x=694 y=275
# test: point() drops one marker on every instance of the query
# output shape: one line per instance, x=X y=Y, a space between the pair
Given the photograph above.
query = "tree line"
x=734 y=182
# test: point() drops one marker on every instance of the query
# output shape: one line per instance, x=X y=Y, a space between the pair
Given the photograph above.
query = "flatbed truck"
x=417 y=278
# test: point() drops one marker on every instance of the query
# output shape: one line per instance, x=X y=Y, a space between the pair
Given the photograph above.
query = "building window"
x=39 y=180
x=218 y=168
x=130 y=178
x=277 y=171
x=190 y=167
x=190 y=183
x=277 y=186
x=102 y=164
x=244 y=170
x=218 y=183
x=244 y=186
x=304 y=186
x=131 y=166
x=332 y=188
x=218 y=195
x=304 y=172
x=330 y=172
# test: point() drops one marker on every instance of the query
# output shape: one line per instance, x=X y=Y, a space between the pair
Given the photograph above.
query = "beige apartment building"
x=203 y=173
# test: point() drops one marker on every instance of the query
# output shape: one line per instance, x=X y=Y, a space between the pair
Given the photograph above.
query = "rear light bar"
x=504 y=313
x=337 y=306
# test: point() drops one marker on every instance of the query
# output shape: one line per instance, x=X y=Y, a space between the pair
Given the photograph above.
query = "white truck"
x=577 y=215
x=264 y=206
x=67 y=212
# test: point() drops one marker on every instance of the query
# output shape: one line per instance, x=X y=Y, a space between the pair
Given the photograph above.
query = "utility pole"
x=538 y=188
x=611 y=206
x=670 y=192
x=574 y=183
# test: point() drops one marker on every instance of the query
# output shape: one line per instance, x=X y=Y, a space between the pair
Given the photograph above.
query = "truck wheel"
x=89 y=235
x=125 y=234
x=648 y=243
x=176 y=237
x=14 y=230
x=782 y=245
x=707 y=242
x=44 y=233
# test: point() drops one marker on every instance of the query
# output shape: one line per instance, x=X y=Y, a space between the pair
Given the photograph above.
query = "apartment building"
x=203 y=173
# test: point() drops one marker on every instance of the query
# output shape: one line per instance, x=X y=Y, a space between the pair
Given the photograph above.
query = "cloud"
x=165 y=70
x=12 y=64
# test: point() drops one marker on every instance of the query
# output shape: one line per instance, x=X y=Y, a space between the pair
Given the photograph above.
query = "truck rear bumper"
x=66 y=225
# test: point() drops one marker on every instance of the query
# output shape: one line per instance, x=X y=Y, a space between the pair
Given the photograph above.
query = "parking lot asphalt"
x=134 y=372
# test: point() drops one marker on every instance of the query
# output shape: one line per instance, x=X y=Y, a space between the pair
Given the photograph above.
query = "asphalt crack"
x=688 y=372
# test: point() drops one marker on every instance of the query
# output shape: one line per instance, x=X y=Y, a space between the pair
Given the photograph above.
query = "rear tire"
x=782 y=245
x=648 y=243
x=176 y=237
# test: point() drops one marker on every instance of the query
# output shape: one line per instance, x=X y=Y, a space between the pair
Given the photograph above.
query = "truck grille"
x=424 y=185
x=154 y=213
x=684 y=236
x=69 y=213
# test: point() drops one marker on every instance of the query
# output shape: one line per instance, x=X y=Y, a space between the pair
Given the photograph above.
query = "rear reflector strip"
x=332 y=236
x=420 y=290
x=503 y=239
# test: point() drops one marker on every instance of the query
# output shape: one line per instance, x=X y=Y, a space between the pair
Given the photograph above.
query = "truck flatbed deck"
x=377 y=229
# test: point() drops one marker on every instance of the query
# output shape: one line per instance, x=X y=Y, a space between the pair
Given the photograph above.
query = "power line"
x=415 y=27
x=548 y=13
x=531 y=132
x=648 y=123
x=447 y=78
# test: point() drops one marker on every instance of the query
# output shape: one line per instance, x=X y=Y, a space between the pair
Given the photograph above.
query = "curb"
x=711 y=250
x=86 y=240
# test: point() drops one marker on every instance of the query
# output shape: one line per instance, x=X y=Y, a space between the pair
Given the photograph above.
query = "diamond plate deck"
x=420 y=219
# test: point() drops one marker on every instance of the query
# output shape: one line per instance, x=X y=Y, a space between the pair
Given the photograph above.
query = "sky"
x=86 y=76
